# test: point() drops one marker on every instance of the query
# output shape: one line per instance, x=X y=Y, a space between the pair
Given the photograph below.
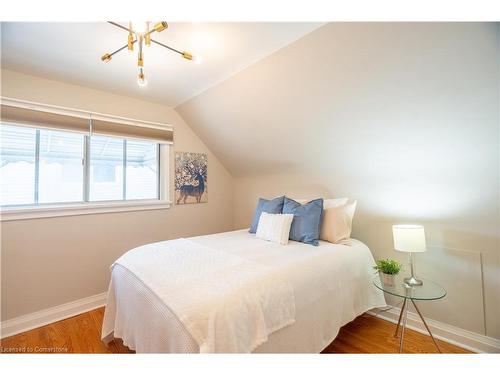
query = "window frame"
x=84 y=207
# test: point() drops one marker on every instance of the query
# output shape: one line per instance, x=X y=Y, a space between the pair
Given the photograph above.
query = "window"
x=123 y=169
x=60 y=167
x=44 y=166
x=141 y=170
x=48 y=161
x=17 y=165
x=106 y=169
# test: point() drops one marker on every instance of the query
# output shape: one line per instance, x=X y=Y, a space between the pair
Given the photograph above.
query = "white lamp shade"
x=409 y=238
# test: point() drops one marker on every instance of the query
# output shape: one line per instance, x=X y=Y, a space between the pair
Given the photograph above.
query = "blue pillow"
x=306 y=220
x=273 y=206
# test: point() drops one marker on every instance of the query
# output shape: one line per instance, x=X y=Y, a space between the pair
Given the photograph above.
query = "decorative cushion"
x=306 y=220
x=337 y=222
x=273 y=206
x=329 y=203
x=274 y=227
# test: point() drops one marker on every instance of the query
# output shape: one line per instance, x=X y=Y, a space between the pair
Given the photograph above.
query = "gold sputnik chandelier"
x=140 y=33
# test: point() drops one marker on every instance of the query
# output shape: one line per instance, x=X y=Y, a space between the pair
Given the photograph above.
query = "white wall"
x=47 y=262
x=403 y=117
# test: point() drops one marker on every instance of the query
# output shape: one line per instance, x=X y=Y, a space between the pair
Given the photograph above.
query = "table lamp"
x=409 y=239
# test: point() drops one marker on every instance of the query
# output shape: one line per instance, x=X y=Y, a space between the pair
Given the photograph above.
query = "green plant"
x=388 y=266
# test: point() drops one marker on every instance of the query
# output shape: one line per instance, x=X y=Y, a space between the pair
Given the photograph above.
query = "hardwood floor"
x=81 y=334
x=368 y=334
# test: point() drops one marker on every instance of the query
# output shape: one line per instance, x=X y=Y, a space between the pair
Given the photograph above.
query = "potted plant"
x=388 y=269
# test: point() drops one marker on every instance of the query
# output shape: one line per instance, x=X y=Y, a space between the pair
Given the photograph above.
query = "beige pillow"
x=327 y=203
x=337 y=222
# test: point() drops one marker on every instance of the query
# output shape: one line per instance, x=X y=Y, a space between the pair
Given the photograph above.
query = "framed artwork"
x=191 y=178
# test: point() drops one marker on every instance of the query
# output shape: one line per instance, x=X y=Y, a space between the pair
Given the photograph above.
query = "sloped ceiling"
x=346 y=88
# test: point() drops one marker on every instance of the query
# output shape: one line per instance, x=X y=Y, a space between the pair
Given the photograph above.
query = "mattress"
x=332 y=284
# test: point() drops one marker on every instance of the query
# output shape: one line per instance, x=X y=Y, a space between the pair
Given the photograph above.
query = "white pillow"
x=274 y=227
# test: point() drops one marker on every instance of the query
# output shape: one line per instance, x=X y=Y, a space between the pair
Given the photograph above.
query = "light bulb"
x=141 y=79
x=196 y=59
x=142 y=82
x=189 y=56
x=139 y=27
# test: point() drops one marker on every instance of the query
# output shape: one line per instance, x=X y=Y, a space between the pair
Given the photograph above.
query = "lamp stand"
x=412 y=280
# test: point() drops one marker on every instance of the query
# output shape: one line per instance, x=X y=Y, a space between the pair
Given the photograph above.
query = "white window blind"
x=44 y=120
x=54 y=118
x=119 y=128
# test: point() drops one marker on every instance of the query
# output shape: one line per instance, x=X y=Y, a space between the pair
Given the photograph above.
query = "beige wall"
x=47 y=262
x=402 y=117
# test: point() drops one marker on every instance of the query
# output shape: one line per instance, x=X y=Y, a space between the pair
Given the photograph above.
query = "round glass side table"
x=428 y=291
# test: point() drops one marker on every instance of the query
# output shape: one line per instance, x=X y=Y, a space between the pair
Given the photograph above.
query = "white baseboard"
x=472 y=341
x=41 y=318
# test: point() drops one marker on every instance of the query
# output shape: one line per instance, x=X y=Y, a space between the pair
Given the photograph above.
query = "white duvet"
x=227 y=303
x=310 y=292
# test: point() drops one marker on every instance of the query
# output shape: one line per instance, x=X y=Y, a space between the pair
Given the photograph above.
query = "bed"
x=329 y=285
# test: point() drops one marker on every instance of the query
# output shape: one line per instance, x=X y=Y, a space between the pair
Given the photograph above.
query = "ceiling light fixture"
x=140 y=33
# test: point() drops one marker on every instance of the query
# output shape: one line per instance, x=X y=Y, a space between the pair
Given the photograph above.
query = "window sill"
x=37 y=212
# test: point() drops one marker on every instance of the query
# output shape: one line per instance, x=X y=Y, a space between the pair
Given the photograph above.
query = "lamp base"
x=413 y=281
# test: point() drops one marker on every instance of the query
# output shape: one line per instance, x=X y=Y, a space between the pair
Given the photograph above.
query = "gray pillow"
x=306 y=220
x=273 y=206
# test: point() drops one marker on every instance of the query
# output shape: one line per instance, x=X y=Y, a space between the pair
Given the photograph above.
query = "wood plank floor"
x=368 y=334
x=81 y=334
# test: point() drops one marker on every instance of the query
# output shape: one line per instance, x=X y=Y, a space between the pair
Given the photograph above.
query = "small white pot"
x=387 y=279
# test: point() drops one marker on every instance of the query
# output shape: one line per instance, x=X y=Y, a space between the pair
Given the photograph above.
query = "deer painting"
x=192 y=190
x=190 y=177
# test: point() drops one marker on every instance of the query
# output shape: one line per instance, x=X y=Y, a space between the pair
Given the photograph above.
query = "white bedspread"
x=332 y=284
x=227 y=303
